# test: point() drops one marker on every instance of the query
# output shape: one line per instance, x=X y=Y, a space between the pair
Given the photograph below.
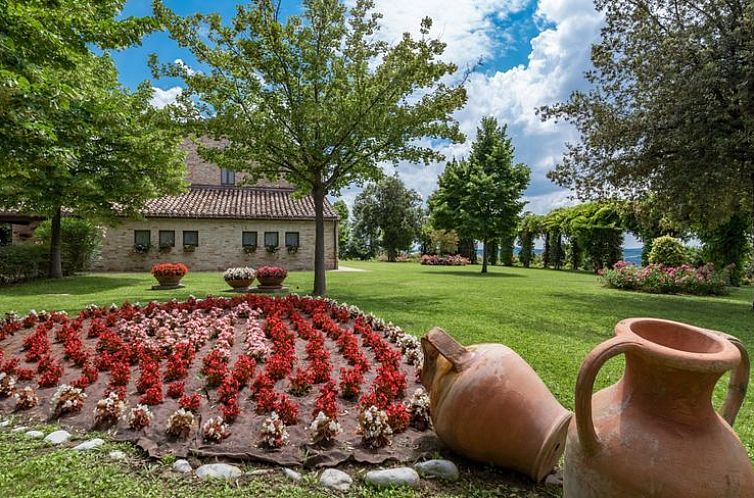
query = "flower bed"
x=287 y=380
x=431 y=260
x=657 y=279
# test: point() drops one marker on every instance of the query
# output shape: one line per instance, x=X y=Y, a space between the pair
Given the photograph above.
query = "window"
x=271 y=239
x=227 y=177
x=249 y=239
x=190 y=238
x=291 y=239
x=167 y=238
x=142 y=238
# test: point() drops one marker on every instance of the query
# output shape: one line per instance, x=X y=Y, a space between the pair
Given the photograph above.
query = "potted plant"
x=239 y=278
x=169 y=275
x=292 y=249
x=272 y=249
x=271 y=277
x=189 y=248
x=142 y=248
x=165 y=248
x=249 y=249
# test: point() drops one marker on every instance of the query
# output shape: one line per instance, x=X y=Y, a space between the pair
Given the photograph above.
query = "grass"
x=552 y=319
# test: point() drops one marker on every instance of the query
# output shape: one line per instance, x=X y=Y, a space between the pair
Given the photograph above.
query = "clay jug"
x=487 y=404
x=654 y=433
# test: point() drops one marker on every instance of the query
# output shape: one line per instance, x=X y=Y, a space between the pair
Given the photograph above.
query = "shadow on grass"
x=73 y=286
x=476 y=274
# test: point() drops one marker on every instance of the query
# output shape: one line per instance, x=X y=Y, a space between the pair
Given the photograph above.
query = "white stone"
x=5 y=423
x=401 y=476
x=34 y=434
x=291 y=474
x=58 y=437
x=335 y=479
x=116 y=455
x=218 y=471
x=89 y=445
x=20 y=428
x=438 y=469
x=182 y=466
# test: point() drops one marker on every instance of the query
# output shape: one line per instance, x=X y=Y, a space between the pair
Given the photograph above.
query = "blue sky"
x=533 y=53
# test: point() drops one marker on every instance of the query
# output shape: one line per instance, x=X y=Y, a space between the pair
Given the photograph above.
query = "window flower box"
x=271 y=277
x=292 y=249
x=165 y=248
x=169 y=275
x=272 y=249
x=250 y=249
x=189 y=248
x=142 y=248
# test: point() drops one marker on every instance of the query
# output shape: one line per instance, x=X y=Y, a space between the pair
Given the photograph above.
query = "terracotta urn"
x=239 y=284
x=654 y=433
x=270 y=282
x=487 y=404
x=168 y=280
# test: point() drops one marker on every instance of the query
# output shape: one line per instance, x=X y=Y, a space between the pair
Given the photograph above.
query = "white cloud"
x=184 y=66
x=559 y=56
x=162 y=98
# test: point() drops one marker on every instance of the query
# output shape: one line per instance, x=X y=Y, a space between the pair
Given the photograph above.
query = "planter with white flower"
x=239 y=278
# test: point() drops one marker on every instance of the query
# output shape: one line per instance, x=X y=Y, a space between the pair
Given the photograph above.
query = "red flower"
x=327 y=401
x=152 y=396
x=228 y=389
x=51 y=372
x=230 y=410
x=215 y=368
x=191 y=403
x=287 y=409
x=243 y=370
x=176 y=390
x=271 y=272
x=170 y=269
x=398 y=417
x=350 y=382
x=300 y=382
x=24 y=373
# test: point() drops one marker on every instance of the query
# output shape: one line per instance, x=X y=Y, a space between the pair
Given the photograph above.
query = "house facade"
x=220 y=223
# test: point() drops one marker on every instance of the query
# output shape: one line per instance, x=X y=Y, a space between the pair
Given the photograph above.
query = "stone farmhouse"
x=217 y=223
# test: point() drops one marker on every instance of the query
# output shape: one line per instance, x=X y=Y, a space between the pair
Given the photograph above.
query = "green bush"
x=22 y=262
x=81 y=242
x=667 y=251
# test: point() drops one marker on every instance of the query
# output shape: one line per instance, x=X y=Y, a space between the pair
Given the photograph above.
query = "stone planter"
x=489 y=405
x=239 y=285
x=655 y=431
x=270 y=283
x=168 y=281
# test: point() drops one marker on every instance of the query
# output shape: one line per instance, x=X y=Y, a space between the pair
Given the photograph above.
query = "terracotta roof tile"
x=202 y=201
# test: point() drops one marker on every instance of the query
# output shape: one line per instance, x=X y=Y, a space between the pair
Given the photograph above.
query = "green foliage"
x=442 y=242
x=81 y=241
x=387 y=216
x=659 y=279
x=667 y=251
x=70 y=134
x=19 y=262
x=344 y=228
x=506 y=249
x=647 y=219
x=318 y=99
x=528 y=229
x=727 y=245
x=6 y=234
x=480 y=197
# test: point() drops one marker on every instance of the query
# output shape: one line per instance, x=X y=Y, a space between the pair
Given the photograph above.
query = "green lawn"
x=552 y=319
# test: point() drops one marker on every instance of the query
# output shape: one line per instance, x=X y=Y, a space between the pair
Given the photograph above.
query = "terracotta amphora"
x=487 y=404
x=655 y=433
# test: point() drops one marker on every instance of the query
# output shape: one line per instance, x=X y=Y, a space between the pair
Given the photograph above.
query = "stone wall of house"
x=200 y=172
x=220 y=245
x=22 y=234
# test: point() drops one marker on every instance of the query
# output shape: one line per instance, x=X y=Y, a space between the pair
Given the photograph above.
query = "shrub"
x=80 y=239
x=23 y=262
x=667 y=251
x=659 y=279
x=457 y=260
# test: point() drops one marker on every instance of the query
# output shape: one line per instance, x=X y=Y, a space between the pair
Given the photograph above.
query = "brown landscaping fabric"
x=243 y=443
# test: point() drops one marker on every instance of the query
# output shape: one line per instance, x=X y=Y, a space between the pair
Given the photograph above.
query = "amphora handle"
x=448 y=347
x=585 y=387
x=739 y=382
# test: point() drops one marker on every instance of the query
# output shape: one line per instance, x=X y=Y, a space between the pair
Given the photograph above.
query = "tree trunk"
x=392 y=254
x=56 y=263
x=484 y=256
x=320 y=276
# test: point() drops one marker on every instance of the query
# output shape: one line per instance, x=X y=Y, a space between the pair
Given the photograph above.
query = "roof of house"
x=210 y=202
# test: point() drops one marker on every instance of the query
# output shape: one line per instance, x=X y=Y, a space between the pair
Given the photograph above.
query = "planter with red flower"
x=271 y=277
x=169 y=275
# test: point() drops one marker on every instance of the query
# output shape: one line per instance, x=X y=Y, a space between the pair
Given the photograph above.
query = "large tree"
x=391 y=212
x=480 y=197
x=318 y=99
x=71 y=137
x=670 y=110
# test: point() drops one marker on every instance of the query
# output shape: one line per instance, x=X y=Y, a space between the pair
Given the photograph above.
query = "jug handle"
x=585 y=386
x=739 y=382
x=448 y=347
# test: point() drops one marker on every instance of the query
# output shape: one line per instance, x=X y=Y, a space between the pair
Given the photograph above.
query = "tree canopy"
x=70 y=135
x=480 y=197
x=388 y=216
x=318 y=99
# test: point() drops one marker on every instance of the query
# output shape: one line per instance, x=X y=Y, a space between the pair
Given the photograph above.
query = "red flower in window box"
x=271 y=277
